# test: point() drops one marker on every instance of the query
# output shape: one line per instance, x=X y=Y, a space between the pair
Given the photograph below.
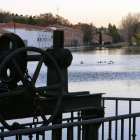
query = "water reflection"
x=121 y=78
x=123 y=50
x=102 y=76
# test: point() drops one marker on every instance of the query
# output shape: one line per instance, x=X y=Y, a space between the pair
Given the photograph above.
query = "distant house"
x=72 y=36
x=35 y=36
x=95 y=39
x=105 y=39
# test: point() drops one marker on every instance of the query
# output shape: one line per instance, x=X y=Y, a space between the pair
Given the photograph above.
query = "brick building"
x=72 y=36
x=107 y=38
x=95 y=37
x=80 y=26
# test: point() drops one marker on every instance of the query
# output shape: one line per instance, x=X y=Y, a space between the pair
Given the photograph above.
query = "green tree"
x=24 y=20
x=113 y=32
x=31 y=21
x=136 y=33
x=5 y=16
x=110 y=29
x=20 y=20
x=138 y=36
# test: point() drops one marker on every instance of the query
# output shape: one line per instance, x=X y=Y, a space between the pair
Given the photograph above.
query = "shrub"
x=107 y=43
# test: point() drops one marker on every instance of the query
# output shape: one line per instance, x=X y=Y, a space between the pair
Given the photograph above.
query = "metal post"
x=122 y=129
x=103 y=122
x=58 y=40
x=110 y=129
x=103 y=131
x=43 y=136
x=20 y=137
x=134 y=128
x=30 y=136
x=2 y=130
x=37 y=136
x=116 y=122
x=71 y=128
x=16 y=137
x=130 y=120
x=57 y=133
x=69 y=132
x=14 y=25
x=79 y=127
x=90 y=131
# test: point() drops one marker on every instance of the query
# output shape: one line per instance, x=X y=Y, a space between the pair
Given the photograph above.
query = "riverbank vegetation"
x=130 y=28
x=119 y=45
x=113 y=32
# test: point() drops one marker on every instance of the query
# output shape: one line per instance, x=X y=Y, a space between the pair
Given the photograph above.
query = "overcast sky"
x=98 y=12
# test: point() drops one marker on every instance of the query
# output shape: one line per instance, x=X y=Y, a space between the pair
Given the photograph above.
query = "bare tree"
x=4 y=16
x=127 y=25
x=48 y=18
x=87 y=29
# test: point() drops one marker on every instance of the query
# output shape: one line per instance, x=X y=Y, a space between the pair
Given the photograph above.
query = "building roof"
x=2 y=23
x=3 y=31
x=23 y=26
x=64 y=27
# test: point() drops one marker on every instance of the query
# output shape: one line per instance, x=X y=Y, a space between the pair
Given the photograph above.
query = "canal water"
x=115 y=72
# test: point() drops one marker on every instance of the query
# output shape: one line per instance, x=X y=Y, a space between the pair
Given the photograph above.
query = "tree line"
x=45 y=19
x=129 y=25
x=113 y=32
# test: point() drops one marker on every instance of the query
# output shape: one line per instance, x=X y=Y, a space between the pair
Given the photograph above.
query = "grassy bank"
x=122 y=45
x=119 y=45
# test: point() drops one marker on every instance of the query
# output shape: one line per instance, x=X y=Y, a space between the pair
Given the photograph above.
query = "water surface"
x=114 y=72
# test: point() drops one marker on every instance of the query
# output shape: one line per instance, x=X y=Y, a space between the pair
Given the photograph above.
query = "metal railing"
x=131 y=120
x=114 y=130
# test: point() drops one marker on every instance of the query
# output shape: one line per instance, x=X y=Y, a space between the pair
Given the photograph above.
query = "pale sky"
x=98 y=12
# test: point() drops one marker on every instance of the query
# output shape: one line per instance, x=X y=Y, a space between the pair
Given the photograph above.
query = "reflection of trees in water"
x=102 y=76
x=89 y=48
x=82 y=49
x=132 y=50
